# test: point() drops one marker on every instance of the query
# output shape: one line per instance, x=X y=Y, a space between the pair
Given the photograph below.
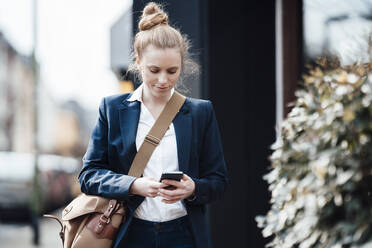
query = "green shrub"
x=321 y=165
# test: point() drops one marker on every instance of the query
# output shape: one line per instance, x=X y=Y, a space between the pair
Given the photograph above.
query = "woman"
x=158 y=216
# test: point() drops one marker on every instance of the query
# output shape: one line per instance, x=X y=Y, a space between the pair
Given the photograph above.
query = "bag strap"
x=155 y=134
x=62 y=232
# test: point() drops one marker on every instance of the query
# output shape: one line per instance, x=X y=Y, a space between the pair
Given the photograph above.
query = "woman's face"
x=160 y=69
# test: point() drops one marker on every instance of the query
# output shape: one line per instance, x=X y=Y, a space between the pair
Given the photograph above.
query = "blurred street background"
x=55 y=66
x=21 y=236
x=59 y=58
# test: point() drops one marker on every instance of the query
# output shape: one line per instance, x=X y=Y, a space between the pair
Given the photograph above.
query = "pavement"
x=20 y=235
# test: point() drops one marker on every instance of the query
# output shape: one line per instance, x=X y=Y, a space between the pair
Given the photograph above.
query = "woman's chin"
x=161 y=92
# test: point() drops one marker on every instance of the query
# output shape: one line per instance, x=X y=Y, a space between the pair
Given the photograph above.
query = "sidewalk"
x=20 y=236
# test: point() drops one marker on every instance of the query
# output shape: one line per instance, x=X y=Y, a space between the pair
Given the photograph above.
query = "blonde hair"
x=155 y=30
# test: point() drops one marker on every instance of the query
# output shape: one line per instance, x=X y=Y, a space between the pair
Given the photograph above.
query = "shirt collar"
x=137 y=94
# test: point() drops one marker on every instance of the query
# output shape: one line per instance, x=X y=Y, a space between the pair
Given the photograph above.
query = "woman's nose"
x=162 y=78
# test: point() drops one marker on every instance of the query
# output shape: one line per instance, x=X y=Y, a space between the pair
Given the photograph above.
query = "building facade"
x=16 y=100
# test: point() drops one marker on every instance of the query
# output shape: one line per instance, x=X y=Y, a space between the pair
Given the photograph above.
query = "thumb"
x=185 y=177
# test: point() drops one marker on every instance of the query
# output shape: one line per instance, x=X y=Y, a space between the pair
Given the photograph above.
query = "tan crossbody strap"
x=155 y=135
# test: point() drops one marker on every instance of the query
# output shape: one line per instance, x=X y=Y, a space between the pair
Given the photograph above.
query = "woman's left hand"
x=184 y=189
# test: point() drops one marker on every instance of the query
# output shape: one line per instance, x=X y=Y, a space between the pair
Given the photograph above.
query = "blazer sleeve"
x=212 y=180
x=97 y=176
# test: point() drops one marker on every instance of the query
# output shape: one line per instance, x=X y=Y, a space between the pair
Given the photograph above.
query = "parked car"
x=16 y=184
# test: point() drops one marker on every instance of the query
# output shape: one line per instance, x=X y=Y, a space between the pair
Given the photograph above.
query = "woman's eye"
x=172 y=72
x=154 y=70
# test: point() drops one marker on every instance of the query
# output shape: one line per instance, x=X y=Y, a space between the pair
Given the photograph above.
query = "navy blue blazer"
x=112 y=149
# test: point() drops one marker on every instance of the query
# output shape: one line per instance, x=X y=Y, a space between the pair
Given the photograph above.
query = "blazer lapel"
x=129 y=117
x=183 y=128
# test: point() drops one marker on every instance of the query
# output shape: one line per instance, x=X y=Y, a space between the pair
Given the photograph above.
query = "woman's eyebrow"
x=157 y=67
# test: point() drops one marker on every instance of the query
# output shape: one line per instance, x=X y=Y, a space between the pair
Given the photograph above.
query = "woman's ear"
x=138 y=60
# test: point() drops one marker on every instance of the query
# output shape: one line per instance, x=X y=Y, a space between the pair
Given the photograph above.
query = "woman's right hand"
x=145 y=186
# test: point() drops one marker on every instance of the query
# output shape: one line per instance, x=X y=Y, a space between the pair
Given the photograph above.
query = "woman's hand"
x=145 y=186
x=184 y=189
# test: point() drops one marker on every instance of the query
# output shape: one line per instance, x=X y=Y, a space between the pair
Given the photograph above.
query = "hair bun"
x=152 y=16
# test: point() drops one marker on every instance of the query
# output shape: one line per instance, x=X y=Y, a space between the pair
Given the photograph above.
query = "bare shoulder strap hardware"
x=156 y=133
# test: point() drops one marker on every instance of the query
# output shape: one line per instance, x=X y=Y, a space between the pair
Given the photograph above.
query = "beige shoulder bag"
x=93 y=221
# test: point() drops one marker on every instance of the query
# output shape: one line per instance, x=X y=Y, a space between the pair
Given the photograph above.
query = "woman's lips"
x=162 y=88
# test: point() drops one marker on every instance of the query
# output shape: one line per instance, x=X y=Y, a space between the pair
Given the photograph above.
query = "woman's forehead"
x=155 y=55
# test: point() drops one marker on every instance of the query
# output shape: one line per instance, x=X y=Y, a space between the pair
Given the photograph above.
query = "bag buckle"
x=152 y=139
x=104 y=219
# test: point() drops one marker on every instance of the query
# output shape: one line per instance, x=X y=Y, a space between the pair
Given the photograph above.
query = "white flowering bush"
x=321 y=176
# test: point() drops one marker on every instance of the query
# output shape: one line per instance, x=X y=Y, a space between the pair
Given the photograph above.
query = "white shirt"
x=163 y=159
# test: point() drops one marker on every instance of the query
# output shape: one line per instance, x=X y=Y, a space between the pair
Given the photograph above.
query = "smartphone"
x=175 y=175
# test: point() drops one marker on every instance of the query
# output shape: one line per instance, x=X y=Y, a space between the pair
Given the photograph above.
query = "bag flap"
x=85 y=204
